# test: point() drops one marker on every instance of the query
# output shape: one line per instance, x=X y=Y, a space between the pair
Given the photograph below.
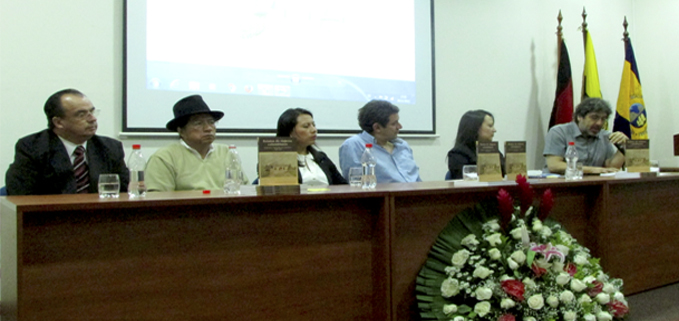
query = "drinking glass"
x=355 y=174
x=109 y=186
x=469 y=173
x=579 y=170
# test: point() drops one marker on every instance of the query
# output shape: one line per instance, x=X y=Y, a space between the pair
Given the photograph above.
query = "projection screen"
x=253 y=59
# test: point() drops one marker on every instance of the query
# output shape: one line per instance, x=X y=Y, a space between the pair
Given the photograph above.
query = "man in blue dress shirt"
x=380 y=123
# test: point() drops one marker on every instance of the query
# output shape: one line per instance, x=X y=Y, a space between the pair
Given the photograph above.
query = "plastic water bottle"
x=368 y=179
x=571 y=162
x=136 y=164
x=234 y=172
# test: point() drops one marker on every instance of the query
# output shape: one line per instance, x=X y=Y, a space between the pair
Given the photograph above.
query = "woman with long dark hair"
x=475 y=125
x=314 y=165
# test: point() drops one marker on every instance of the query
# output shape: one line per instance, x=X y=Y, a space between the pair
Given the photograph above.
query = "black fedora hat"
x=188 y=106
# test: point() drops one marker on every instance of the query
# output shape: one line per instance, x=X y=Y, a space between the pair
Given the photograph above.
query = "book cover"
x=488 y=161
x=515 y=159
x=637 y=157
x=277 y=161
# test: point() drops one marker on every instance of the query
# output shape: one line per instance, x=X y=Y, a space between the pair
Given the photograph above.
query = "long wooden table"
x=336 y=254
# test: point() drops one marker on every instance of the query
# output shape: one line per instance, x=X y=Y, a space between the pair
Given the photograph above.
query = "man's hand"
x=618 y=138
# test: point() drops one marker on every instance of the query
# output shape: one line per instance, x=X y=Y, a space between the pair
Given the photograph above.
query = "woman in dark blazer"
x=314 y=165
x=475 y=125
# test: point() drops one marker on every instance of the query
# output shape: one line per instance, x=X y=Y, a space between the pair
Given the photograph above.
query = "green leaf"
x=530 y=256
x=463 y=309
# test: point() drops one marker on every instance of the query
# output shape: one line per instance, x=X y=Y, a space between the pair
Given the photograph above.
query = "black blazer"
x=328 y=167
x=42 y=166
x=462 y=155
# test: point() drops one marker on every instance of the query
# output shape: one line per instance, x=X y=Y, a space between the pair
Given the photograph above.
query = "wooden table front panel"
x=284 y=260
x=643 y=228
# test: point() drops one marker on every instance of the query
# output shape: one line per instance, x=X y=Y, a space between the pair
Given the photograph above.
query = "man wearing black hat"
x=193 y=163
x=68 y=156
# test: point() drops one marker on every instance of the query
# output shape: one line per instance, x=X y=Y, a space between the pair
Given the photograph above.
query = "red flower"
x=525 y=193
x=571 y=268
x=507 y=317
x=514 y=288
x=506 y=207
x=546 y=205
x=596 y=289
x=538 y=270
x=617 y=309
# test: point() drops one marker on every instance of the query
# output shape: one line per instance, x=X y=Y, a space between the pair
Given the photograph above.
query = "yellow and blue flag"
x=590 y=76
x=630 y=113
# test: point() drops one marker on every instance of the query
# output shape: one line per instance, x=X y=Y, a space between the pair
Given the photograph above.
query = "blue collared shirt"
x=396 y=167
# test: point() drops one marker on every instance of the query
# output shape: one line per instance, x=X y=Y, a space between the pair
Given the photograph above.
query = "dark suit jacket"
x=42 y=165
x=328 y=167
x=462 y=155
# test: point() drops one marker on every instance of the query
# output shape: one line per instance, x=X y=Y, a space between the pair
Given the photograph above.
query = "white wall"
x=494 y=54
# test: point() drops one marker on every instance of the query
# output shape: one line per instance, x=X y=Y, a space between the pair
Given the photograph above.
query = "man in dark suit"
x=48 y=161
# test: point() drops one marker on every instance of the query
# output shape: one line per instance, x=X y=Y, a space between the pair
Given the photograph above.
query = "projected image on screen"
x=277 y=54
x=302 y=49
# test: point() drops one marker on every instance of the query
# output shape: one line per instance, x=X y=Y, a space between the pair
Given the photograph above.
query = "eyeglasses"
x=596 y=118
x=84 y=114
x=201 y=123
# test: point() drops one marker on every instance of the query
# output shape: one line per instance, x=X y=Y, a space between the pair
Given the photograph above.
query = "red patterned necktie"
x=80 y=170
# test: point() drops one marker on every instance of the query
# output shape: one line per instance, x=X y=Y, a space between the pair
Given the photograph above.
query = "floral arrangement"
x=503 y=262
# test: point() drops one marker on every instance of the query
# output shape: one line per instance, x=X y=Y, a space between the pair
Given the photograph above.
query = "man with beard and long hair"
x=599 y=150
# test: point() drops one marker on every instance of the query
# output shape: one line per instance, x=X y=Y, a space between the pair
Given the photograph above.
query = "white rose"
x=494 y=239
x=567 y=296
x=482 y=272
x=449 y=308
x=603 y=277
x=505 y=277
x=569 y=316
x=460 y=258
x=553 y=301
x=483 y=293
x=577 y=285
x=580 y=259
x=518 y=257
x=493 y=225
x=450 y=287
x=585 y=298
x=609 y=288
x=507 y=303
x=529 y=319
x=563 y=278
x=589 y=317
x=563 y=249
x=537 y=225
x=469 y=241
x=482 y=308
x=557 y=266
x=542 y=262
x=528 y=283
x=546 y=231
x=512 y=264
x=458 y=318
x=536 y=302
x=603 y=298
x=588 y=279
x=604 y=316
x=494 y=254
x=516 y=233
x=618 y=296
